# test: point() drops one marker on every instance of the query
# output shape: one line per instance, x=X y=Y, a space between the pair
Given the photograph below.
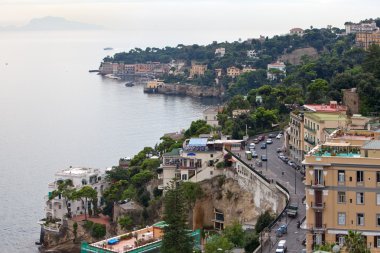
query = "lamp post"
x=266 y=155
x=295 y=181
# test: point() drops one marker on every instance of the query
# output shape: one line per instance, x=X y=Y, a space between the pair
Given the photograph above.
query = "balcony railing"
x=310 y=129
x=318 y=206
x=317 y=184
x=317 y=228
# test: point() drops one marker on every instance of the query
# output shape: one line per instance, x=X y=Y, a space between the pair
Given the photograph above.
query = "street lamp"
x=266 y=155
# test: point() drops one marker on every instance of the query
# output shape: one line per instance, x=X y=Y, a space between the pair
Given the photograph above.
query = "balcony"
x=311 y=142
x=318 y=206
x=316 y=228
x=317 y=184
x=310 y=129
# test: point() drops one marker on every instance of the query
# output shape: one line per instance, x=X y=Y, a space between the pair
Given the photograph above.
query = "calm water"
x=54 y=114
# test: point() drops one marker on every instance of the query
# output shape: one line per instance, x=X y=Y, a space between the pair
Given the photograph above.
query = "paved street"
x=281 y=172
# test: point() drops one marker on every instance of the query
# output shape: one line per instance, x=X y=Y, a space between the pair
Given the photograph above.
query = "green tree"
x=65 y=189
x=75 y=231
x=84 y=194
x=126 y=222
x=355 y=242
x=176 y=237
x=263 y=221
x=372 y=60
x=218 y=244
x=317 y=91
x=197 y=127
x=235 y=234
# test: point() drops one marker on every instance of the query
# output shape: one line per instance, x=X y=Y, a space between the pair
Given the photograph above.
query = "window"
x=341 y=218
x=341 y=176
x=359 y=176
x=184 y=177
x=378 y=220
x=360 y=219
x=360 y=198
x=377 y=242
x=341 y=240
x=341 y=197
x=378 y=199
x=377 y=176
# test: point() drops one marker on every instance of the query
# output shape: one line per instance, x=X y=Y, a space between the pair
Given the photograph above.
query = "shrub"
x=98 y=230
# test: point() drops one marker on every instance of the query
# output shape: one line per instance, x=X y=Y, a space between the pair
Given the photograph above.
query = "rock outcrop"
x=190 y=90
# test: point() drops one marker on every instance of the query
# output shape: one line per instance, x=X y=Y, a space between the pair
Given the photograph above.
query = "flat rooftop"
x=326 y=116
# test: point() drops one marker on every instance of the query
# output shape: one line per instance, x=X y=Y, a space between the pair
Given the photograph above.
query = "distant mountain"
x=51 y=24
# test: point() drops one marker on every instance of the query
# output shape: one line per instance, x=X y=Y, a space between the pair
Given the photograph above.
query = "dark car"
x=260 y=137
x=256 y=141
x=285 y=159
x=263 y=146
x=264 y=158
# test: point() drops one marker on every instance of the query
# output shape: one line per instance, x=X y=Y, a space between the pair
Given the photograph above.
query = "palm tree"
x=355 y=242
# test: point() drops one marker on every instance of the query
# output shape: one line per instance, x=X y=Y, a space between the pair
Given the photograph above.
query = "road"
x=281 y=172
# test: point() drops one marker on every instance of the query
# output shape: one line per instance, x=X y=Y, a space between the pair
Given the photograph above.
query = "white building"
x=210 y=116
x=196 y=161
x=56 y=208
x=220 y=52
x=296 y=31
x=279 y=67
x=252 y=54
x=360 y=27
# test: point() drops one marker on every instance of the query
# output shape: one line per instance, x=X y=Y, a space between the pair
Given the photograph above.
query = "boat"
x=129 y=84
x=93 y=70
x=108 y=48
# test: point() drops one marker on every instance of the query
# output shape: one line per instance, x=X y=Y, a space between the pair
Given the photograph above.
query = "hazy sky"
x=272 y=16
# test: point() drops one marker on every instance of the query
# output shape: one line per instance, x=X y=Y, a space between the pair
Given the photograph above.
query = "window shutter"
x=375 y=242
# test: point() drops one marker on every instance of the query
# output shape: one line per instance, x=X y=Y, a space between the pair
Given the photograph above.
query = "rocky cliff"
x=190 y=90
x=234 y=201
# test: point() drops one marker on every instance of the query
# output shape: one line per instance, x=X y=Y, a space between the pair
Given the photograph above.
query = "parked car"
x=279 y=136
x=271 y=135
x=283 y=229
x=291 y=163
x=254 y=154
x=285 y=159
x=256 y=141
x=264 y=158
x=281 y=247
x=279 y=150
x=260 y=137
x=281 y=155
x=263 y=146
x=269 y=141
x=252 y=146
x=292 y=210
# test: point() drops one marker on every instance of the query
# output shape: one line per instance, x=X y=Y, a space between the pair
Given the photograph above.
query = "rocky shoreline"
x=190 y=90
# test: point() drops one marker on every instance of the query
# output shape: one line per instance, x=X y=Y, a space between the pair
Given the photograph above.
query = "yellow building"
x=318 y=125
x=233 y=72
x=365 y=39
x=343 y=189
x=197 y=70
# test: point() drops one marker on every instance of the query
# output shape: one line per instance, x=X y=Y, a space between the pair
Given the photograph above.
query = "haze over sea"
x=54 y=114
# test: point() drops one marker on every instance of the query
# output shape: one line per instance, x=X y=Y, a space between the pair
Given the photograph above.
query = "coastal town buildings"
x=121 y=69
x=233 y=72
x=218 y=72
x=247 y=69
x=276 y=69
x=351 y=100
x=197 y=70
x=56 y=208
x=342 y=189
x=296 y=31
x=296 y=137
x=366 y=27
x=366 y=39
x=220 y=52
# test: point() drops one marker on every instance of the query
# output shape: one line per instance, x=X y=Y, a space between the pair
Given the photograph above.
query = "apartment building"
x=367 y=27
x=366 y=39
x=319 y=125
x=56 y=207
x=296 y=31
x=210 y=116
x=296 y=137
x=233 y=72
x=220 y=52
x=252 y=54
x=197 y=70
x=275 y=69
x=195 y=161
x=343 y=189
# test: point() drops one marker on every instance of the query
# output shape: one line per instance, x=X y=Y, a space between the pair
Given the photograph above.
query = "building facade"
x=275 y=69
x=360 y=27
x=296 y=137
x=210 y=115
x=220 y=52
x=366 y=39
x=343 y=189
x=351 y=100
x=56 y=208
x=233 y=72
x=197 y=70
x=296 y=31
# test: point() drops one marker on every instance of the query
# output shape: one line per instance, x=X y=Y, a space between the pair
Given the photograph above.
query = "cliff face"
x=236 y=202
x=190 y=90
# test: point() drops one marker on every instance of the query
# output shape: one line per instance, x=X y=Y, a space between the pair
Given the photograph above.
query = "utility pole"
x=295 y=181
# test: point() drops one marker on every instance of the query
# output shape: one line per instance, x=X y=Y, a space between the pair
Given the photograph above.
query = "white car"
x=279 y=136
x=281 y=247
x=252 y=146
x=269 y=141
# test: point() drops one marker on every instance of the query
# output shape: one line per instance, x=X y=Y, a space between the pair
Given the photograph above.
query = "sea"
x=55 y=114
